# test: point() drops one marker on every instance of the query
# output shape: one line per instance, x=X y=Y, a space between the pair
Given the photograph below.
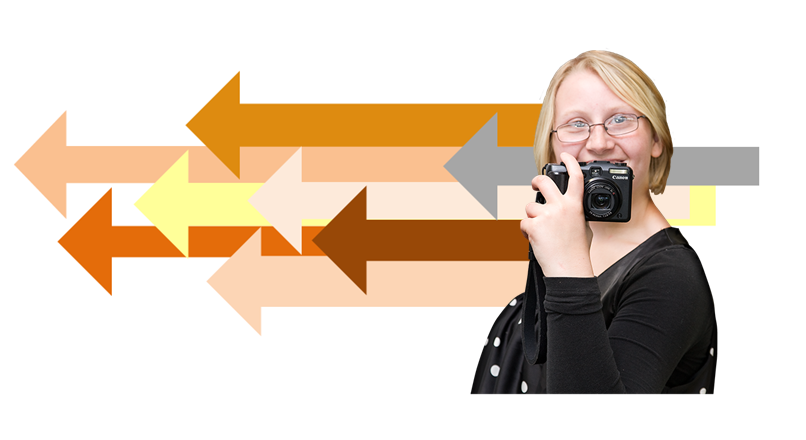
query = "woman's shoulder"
x=667 y=252
x=669 y=267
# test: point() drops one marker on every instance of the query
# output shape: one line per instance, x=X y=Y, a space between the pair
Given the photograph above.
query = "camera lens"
x=600 y=201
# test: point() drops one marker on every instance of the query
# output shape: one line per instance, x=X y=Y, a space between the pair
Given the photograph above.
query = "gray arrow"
x=714 y=166
x=480 y=166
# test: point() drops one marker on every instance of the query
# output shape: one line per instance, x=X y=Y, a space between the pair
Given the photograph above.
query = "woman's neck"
x=613 y=240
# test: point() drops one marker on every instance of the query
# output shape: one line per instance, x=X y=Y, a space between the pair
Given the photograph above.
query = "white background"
x=167 y=357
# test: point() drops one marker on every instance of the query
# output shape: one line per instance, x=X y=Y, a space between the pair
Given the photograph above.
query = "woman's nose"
x=598 y=140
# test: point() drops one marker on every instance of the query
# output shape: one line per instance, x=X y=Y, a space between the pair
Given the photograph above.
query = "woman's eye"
x=620 y=119
x=578 y=124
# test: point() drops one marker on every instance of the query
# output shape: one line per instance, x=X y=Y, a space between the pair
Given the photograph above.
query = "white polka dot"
x=497 y=342
x=494 y=370
x=712 y=351
x=513 y=302
x=702 y=390
x=519 y=321
x=524 y=387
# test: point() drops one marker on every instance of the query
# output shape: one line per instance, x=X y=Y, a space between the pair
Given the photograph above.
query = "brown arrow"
x=350 y=240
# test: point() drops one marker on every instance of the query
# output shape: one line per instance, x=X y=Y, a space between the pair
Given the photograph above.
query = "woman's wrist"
x=570 y=269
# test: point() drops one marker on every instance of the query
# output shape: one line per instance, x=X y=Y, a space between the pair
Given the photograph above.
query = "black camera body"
x=608 y=189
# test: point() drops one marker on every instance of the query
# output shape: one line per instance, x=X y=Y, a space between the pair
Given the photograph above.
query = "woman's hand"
x=558 y=232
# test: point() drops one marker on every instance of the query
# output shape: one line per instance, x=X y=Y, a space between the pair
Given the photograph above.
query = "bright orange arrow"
x=93 y=242
x=350 y=240
x=224 y=124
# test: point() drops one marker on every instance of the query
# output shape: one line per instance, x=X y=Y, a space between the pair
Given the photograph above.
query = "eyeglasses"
x=616 y=125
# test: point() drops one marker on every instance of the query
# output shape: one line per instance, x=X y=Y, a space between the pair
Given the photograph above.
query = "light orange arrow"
x=49 y=164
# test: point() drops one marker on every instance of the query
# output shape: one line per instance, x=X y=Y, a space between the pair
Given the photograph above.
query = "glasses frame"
x=590 y=128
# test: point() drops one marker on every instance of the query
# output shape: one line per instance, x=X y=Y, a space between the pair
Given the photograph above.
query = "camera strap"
x=533 y=334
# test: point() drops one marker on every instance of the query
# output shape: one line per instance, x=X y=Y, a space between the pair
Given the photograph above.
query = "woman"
x=628 y=306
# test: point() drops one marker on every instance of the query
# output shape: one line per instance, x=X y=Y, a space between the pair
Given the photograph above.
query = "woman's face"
x=583 y=96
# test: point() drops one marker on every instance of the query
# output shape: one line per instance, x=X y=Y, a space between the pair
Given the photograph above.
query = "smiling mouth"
x=609 y=160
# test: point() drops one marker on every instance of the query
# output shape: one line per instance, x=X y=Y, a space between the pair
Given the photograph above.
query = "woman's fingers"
x=576 y=180
x=532 y=209
x=547 y=187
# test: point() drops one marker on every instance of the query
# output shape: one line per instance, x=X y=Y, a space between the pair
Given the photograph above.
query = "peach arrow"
x=248 y=282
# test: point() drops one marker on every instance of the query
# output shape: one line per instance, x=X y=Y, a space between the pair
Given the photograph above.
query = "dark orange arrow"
x=93 y=241
x=224 y=124
x=350 y=240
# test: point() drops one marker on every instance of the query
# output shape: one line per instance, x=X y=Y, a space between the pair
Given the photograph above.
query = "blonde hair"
x=631 y=85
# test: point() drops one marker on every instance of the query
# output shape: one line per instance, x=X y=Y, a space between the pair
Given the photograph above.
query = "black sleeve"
x=663 y=310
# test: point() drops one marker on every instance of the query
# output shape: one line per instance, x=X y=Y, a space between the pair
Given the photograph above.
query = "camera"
x=608 y=189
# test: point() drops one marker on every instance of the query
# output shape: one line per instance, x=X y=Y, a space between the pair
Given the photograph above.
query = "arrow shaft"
x=695 y=166
x=205 y=241
x=221 y=204
x=445 y=240
x=714 y=166
x=450 y=284
x=140 y=241
x=367 y=125
x=119 y=164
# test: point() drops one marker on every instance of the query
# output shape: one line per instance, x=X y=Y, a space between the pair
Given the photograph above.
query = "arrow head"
x=43 y=164
x=235 y=281
x=474 y=165
x=280 y=200
x=218 y=124
x=344 y=239
x=89 y=241
x=165 y=202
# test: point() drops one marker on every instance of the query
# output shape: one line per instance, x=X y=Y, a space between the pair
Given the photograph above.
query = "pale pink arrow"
x=285 y=200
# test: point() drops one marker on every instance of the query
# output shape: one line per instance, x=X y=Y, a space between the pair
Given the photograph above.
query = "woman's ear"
x=657 y=146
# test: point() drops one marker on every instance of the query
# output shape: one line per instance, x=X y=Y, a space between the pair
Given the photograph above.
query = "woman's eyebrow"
x=576 y=113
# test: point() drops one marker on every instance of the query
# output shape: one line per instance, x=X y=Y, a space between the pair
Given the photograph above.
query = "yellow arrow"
x=172 y=204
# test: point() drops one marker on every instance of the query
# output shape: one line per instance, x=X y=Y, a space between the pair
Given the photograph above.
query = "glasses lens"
x=573 y=132
x=621 y=124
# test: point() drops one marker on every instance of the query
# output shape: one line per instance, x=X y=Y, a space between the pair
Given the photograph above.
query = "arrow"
x=350 y=240
x=93 y=242
x=224 y=124
x=248 y=282
x=285 y=200
x=172 y=204
x=481 y=166
x=50 y=164
x=706 y=166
